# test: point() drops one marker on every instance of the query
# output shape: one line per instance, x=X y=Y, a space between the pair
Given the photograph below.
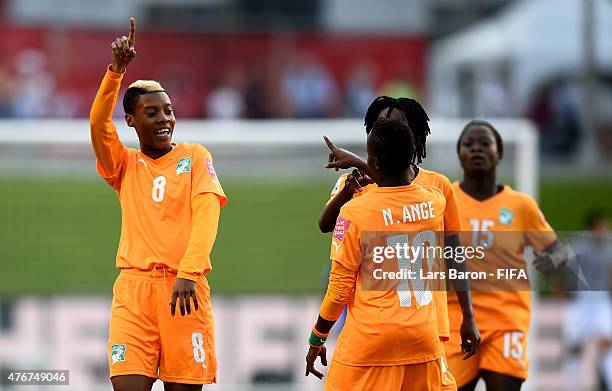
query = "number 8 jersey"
x=155 y=194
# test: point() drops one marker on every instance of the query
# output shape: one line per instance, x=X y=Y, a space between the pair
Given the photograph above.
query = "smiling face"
x=478 y=150
x=154 y=122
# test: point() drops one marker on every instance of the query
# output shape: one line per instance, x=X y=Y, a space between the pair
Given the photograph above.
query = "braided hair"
x=415 y=115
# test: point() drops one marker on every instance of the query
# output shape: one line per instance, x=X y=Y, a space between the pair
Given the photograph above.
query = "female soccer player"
x=390 y=339
x=504 y=221
x=170 y=200
x=410 y=112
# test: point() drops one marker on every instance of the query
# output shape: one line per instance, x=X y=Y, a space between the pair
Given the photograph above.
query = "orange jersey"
x=383 y=326
x=505 y=224
x=156 y=195
x=452 y=223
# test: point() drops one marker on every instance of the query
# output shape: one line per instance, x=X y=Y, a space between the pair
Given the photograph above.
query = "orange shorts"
x=414 y=377
x=447 y=380
x=500 y=351
x=144 y=339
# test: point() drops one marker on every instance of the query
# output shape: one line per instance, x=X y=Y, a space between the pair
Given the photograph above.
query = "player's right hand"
x=311 y=357
x=470 y=337
x=184 y=290
x=356 y=180
x=339 y=157
x=123 y=49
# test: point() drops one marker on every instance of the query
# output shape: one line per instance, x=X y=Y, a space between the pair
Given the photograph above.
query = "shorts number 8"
x=198 y=349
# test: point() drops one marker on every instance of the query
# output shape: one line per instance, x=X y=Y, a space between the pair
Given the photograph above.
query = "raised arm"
x=343 y=158
x=106 y=145
x=342 y=193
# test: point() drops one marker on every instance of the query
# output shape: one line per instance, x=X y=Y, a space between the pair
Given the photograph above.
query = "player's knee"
x=471 y=385
x=500 y=382
x=132 y=383
x=182 y=387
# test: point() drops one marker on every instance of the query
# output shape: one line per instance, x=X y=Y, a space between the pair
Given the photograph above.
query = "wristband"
x=317 y=338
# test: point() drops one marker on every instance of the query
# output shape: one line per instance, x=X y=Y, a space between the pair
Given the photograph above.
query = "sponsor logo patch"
x=342 y=225
x=210 y=167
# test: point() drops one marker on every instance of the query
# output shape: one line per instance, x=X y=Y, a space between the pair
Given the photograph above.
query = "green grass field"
x=60 y=236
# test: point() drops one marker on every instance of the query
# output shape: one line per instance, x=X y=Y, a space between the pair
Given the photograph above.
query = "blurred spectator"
x=360 y=89
x=308 y=89
x=589 y=318
x=34 y=85
x=66 y=104
x=178 y=80
x=603 y=117
x=256 y=97
x=226 y=100
x=555 y=111
x=279 y=81
x=495 y=95
x=6 y=91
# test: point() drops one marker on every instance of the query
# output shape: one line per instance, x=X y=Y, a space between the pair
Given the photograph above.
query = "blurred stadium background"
x=259 y=82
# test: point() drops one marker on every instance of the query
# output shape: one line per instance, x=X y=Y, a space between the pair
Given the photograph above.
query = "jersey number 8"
x=198 y=348
x=159 y=185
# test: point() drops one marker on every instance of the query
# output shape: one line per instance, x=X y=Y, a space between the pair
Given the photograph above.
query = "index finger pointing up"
x=132 y=37
x=330 y=145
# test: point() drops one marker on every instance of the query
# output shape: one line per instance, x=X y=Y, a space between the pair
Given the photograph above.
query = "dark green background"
x=60 y=236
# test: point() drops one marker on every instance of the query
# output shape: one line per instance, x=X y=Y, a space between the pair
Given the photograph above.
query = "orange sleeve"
x=346 y=260
x=346 y=242
x=452 y=217
x=206 y=209
x=204 y=176
x=339 y=291
x=110 y=152
x=338 y=186
x=539 y=233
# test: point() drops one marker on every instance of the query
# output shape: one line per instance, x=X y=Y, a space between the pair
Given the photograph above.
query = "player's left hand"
x=552 y=259
x=470 y=337
x=184 y=290
x=311 y=357
x=340 y=158
x=356 y=180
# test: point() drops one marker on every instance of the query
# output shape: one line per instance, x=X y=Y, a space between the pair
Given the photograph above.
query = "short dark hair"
x=136 y=90
x=415 y=115
x=480 y=122
x=393 y=145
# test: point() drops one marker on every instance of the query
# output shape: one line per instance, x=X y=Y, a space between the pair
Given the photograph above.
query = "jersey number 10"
x=422 y=293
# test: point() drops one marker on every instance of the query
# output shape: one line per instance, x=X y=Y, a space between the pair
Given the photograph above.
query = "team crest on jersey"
x=506 y=216
x=118 y=353
x=184 y=165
